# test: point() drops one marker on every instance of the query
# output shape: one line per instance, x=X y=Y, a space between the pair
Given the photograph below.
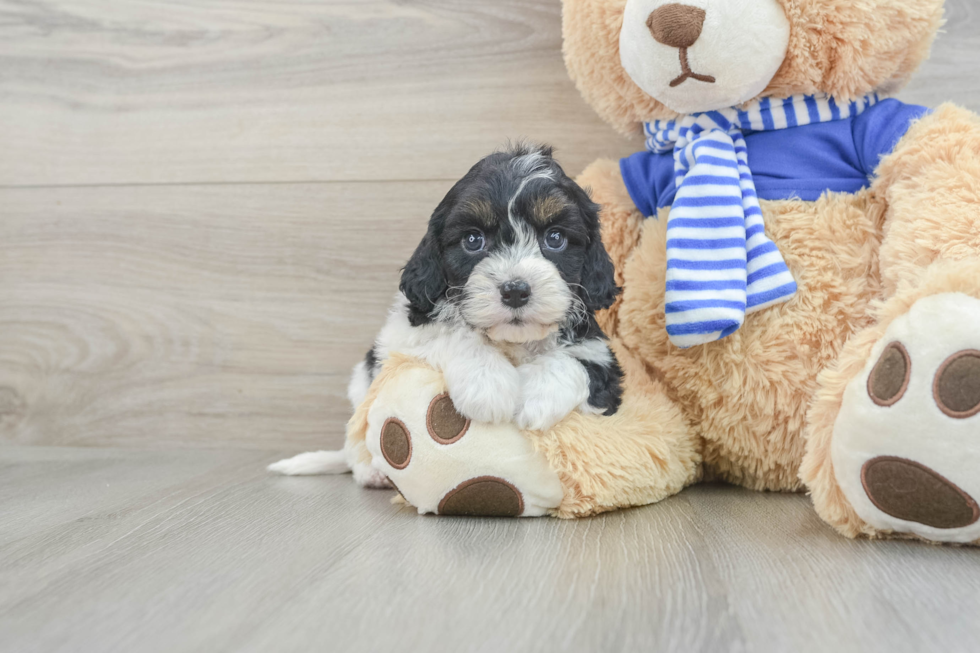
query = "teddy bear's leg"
x=443 y=463
x=621 y=223
x=644 y=453
x=894 y=433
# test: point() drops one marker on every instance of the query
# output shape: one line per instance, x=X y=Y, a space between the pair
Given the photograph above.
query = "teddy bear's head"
x=640 y=60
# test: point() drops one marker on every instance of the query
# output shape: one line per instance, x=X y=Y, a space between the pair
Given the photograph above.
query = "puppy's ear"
x=598 y=289
x=423 y=280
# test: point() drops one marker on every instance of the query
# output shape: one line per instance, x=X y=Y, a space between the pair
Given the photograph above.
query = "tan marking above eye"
x=482 y=210
x=889 y=379
x=396 y=443
x=956 y=387
x=546 y=208
x=444 y=422
x=484 y=496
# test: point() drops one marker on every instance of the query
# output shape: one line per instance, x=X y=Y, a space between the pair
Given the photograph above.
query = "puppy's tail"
x=311 y=463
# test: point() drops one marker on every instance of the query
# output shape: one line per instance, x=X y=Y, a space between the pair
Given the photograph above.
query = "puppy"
x=500 y=296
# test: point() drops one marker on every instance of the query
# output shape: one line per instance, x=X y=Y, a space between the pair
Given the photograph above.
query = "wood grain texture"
x=198 y=315
x=164 y=91
x=122 y=550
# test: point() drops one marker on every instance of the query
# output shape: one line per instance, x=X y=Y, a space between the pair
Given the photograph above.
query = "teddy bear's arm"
x=931 y=183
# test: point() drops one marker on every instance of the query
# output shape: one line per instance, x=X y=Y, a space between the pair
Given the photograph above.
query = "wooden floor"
x=203 y=209
x=112 y=549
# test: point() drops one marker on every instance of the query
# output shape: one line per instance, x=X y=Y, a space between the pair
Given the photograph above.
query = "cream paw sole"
x=906 y=445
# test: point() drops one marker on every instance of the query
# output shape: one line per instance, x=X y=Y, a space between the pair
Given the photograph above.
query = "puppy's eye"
x=555 y=240
x=474 y=242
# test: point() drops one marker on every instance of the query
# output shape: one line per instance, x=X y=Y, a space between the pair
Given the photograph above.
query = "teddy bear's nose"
x=676 y=25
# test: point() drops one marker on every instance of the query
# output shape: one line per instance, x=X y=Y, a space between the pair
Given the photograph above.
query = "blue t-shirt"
x=793 y=163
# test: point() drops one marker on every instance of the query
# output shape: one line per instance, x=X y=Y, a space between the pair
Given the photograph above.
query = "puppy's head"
x=513 y=250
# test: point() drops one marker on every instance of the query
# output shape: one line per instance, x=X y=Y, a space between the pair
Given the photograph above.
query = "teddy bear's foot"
x=906 y=443
x=409 y=429
x=443 y=463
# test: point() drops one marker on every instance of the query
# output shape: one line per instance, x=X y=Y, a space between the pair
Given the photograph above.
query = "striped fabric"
x=720 y=263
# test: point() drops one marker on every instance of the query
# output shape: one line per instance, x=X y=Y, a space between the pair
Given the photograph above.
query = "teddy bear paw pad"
x=484 y=496
x=912 y=492
x=444 y=422
x=906 y=443
x=396 y=443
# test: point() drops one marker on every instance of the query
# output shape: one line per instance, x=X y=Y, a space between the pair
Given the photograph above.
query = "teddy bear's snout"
x=676 y=25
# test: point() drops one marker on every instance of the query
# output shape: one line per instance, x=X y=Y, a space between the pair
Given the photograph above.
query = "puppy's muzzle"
x=515 y=293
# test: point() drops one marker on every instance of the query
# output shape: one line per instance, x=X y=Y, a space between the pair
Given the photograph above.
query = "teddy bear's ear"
x=848 y=49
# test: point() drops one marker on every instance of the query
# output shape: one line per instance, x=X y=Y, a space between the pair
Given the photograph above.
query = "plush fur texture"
x=931 y=183
x=747 y=393
x=763 y=404
x=646 y=452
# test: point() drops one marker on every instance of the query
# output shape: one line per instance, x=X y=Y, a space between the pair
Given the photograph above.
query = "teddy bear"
x=799 y=257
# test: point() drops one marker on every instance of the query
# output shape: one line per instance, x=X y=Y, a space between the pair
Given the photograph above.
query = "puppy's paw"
x=487 y=406
x=539 y=414
x=486 y=397
x=366 y=475
x=542 y=409
x=551 y=390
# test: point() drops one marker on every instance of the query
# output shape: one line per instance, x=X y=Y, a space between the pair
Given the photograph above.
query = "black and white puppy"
x=500 y=296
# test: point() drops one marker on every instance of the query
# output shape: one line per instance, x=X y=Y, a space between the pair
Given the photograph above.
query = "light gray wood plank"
x=163 y=91
x=166 y=92
x=195 y=315
x=110 y=550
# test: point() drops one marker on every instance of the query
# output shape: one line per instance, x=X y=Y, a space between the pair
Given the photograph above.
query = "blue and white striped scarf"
x=720 y=263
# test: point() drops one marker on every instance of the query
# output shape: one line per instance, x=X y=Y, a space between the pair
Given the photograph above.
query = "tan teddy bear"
x=800 y=262
x=863 y=384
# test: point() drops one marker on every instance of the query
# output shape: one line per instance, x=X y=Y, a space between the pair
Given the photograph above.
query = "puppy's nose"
x=515 y=293
x=676 y=25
